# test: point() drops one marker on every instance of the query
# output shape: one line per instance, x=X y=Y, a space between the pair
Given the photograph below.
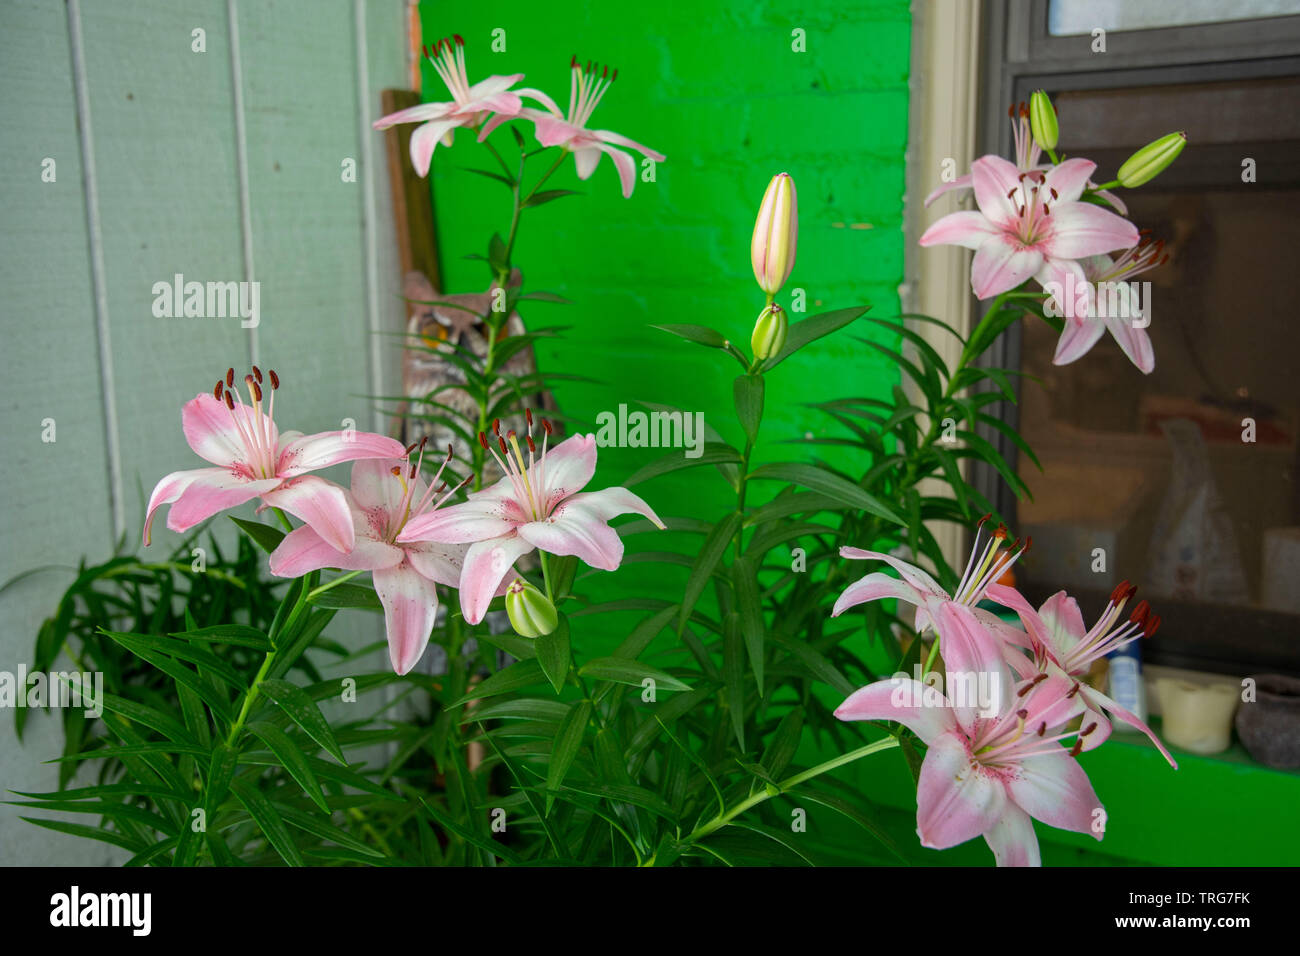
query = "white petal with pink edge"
x=211 y=490
x=919 y=707
x=486 y=564
x=319 y=503
x=1053 y=788
x=321 y=450
x=957 y=800
x=410 y=603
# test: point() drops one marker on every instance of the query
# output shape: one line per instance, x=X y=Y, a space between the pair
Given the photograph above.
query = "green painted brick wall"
x=717 y=88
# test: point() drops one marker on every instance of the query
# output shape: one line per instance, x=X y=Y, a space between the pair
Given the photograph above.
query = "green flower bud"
x=1151 y=160
x=1042 y=121
x=531 y=613
x=769 y=333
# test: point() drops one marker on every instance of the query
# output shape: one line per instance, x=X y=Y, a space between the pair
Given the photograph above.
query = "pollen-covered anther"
x=1077 y=748
x=275 y=379
x=216 y=392
x=257 y=374
x=1089 y=729
x=482 y=440
x=230 y=378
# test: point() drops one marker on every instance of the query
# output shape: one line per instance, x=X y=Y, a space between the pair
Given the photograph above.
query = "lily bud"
x=1151 y=160
x=1042 y=120
x=776 y=234
x=769 y=333
x=531 y=612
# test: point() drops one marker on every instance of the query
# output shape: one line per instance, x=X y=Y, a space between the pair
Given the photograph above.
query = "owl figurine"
x=449 y=325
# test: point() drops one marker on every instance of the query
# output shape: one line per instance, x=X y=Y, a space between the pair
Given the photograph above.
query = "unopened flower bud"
x=1042 y=121
x=769 y=333
x=776 y=234
x=1151 y=160
x=531 y=612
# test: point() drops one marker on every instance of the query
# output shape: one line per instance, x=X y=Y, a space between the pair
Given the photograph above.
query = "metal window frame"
x=1021 y=56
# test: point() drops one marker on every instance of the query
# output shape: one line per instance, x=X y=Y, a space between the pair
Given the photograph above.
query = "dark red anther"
x=1151 y=626
x=275 y=379
x=1029 y=543
x=528 y=416
x=531 y=447
x=614 y=76
x=414 y=469
x=982 y=520
x=1140 y=612
x=257 y=391
x=573 y=62
x=443 y=487
x=1118 y=593
x=546 y=426
x=1073 y=690
x=216 y=392
x=257 y=374
x=1042 y=728
x=1077 y=748
x=410 y=448
x=230 y=378
x=230 y=402
x=424 y=48
x=450 y=453
x=1089 y=729
x=482 y=440
x=496 y=426
x=1022 y=714
x=502 y=442
x=1054 y=196
x=460 y=41
x=1047 y=210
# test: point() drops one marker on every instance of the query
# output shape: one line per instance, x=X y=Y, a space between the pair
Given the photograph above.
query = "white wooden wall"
x=224 y=165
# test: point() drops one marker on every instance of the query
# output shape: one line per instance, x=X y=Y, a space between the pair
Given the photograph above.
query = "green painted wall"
x=717 y=88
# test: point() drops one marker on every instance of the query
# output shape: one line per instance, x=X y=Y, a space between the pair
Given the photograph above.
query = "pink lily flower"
x=1031 y=225
x=919 y=589
x=469 y=105
x=254 y=460
x=1064 y=646
x=989 y=775
x=1081 y=333
x=537 y=504
x=386 y=495
x=1028 y=156
x=554 y=128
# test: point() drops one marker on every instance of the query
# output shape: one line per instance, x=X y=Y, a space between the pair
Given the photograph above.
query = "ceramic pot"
x=1197 y=717
x=1269 y=726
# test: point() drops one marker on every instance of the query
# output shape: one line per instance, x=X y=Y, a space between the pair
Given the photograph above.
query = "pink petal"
x=168 y=490
x=615 y=501
x=319 y=503
x=614 y=139
x=1068 y=179
x=917 y=577
x=1064 y=621
x=484 y=516
x=1068 y=285
x=415 y=114
x=973 y=662
x=410 y=603
x=493 y=85
x=1083 y=229
x=1053 y=788
x=876 y=586
x=507 y=103
x=1037 y=629
x=968 y=229
x=375 y=487
x=210 y=490
x=574 y=529
x=486 y=564
x=424 y=140
x=539 y=97
x=585 y=160
x=211 y=431
x=1076 y=339
x=304 y=550
x=1012 y=839
x=1097 y=698
x=442 y=563
x=1135 y=342
x=330 y=448
x=567 y=468
x=993 y=178
x=1001 y=264
x=957 y=800
x=552 y=131
x=961 y=182
x=626 y=168
x=918 y=707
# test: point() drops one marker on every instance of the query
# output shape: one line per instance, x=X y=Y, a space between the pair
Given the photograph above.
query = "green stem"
x=546 y=576
x=341 y=579
x=249 y=698
x=723 y=819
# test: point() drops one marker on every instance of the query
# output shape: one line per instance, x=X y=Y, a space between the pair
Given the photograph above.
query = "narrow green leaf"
x=263 y=535
x=568 y=741
x=748 y=393
x=268 y=821
x=553 y=654
x=810 y=476
x=623 y=671
x=291 y=757
x=709 y=555
x=749 y=606
x=813 y=328
x=302 y=710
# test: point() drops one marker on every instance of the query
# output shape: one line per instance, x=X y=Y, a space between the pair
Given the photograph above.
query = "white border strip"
x=241 y=159
x=97 y=273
